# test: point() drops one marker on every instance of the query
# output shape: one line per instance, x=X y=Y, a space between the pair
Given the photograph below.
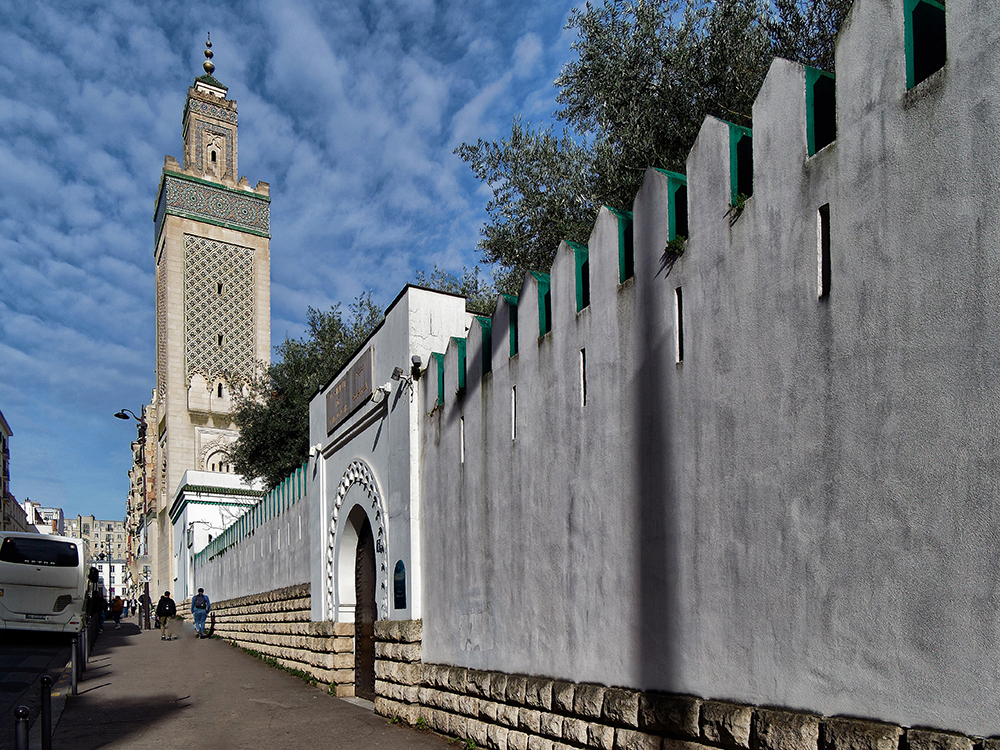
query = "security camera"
x=415 y=370
x=381 y=392
x=314 y=449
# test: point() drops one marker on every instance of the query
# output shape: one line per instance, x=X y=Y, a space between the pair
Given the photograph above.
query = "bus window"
x=39 y=552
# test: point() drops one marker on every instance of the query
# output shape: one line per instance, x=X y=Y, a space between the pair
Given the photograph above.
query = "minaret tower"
x=212 y=237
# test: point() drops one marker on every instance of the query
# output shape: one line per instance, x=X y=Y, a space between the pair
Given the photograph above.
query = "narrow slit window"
x=679 y=313
x=220 y=390
x=583 y=377
x=926 y=43
x=823 y=250
x=461 y=439
x=213 y=157
x=219 y=339
x=513 y=412
x=218 y=287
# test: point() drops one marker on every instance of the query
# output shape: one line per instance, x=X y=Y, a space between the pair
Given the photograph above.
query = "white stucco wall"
x=367 y=463
x=803 y=513
x=202 y=507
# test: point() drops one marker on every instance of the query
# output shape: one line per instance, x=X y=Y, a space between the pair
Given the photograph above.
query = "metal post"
x=21 y=728
x=46 y=712
x=147 y=605
x=75 y=652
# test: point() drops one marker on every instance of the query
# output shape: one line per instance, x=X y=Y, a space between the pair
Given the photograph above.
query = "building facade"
x=12 y=515
x=107 y=542
x=212 y=302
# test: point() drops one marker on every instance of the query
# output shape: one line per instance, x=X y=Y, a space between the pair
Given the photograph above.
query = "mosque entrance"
x=365 y=614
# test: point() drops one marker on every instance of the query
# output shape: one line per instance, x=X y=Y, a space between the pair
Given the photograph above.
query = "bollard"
x=21 y=728
x=75 y=654
x=46 y=712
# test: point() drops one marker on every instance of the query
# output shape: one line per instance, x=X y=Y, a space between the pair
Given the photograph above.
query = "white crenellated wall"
x=803 y=513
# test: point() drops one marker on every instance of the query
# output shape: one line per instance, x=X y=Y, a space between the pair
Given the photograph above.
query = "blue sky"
x=350 y=110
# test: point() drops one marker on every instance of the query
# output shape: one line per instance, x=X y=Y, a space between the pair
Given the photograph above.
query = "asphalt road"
x=24 y=658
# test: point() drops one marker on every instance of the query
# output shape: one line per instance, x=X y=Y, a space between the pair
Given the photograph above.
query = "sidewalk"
x=141 y=692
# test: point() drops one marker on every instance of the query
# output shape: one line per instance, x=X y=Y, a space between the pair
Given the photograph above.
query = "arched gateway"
x=357 y=566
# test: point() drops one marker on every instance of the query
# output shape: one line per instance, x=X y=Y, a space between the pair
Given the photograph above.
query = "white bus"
x=43 y=582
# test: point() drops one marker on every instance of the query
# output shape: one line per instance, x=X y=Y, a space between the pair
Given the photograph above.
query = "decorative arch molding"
x=209 y=447
x=359 y=473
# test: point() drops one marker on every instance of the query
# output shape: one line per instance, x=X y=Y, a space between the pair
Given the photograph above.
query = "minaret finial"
x=208 y=65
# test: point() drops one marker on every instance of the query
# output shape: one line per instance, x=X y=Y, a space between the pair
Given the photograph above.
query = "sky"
x=350 y=109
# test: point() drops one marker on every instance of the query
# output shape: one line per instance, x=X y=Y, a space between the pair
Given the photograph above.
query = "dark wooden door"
x=364 y=615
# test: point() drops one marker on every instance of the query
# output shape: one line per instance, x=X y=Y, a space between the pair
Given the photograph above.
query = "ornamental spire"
x=208 y=65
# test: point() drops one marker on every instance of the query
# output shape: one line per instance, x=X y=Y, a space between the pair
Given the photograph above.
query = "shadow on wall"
x=657 y=509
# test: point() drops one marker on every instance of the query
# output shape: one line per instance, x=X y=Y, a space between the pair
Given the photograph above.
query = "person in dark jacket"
x=165 y=609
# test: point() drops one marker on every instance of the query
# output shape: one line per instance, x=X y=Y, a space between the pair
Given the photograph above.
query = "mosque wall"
x=765 y=470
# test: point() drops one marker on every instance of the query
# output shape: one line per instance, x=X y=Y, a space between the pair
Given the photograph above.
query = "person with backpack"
x=165 y=609
x=200 y=606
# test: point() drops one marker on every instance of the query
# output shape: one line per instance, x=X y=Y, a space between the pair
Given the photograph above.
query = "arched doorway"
x=364 y=614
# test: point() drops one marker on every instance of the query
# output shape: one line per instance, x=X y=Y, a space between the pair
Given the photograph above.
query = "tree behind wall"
x=644 y=77
x=272 y=413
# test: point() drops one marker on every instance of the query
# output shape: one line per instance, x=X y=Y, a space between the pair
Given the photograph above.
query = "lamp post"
x=141 y=427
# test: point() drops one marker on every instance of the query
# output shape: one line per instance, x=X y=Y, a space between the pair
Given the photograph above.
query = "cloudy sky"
x=350 y=109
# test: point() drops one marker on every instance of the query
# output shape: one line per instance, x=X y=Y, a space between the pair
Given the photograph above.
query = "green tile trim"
x=581 y=255
x=440 y=361
x=512 y=326
x=544 y=281
x=813 y=75
x=486 y=326
x=626 y=252
x=460 y=346
x=736 y=134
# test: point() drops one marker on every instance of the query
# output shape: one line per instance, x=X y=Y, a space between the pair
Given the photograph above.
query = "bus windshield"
x=39 y=551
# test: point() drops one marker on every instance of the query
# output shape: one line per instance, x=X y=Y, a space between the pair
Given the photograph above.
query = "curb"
x=61 y=689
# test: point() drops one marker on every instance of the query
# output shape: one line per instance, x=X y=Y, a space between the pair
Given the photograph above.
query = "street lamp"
x=125 y=414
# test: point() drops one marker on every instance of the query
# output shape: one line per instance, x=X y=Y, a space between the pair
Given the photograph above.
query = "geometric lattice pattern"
x=240 y=210
x=218 y=309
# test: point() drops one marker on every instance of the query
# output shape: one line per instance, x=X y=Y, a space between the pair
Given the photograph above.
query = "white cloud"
x=349 y=110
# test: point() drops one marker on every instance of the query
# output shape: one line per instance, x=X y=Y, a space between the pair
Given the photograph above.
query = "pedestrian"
x=99 y=609
x=165 y=609
x=117 y=607
x=200 y=607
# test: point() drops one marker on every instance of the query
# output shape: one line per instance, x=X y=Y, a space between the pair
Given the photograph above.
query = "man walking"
x=200 y=606
x=165 y=609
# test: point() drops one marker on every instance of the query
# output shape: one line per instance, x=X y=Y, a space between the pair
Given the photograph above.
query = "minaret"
x=212 y=237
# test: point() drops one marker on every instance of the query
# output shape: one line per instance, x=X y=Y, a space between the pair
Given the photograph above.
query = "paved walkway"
x=141 y=692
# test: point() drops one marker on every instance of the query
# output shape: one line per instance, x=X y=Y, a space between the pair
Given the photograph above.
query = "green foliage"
x=480 y=295
x=543 y=192
x=421 y=723
x=272 y=410
x=644 y=77
x=806 y=30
